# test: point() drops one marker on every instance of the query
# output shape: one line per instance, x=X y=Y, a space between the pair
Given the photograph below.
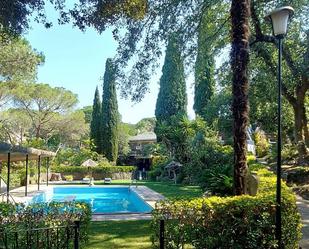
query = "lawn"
x=169 y=190
x=134 y=234
x=120 y=234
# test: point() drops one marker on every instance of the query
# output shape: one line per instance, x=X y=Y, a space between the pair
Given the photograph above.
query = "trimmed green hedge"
x=230 y=222
x=18 y=219
x=98 y=172
x=97 y=169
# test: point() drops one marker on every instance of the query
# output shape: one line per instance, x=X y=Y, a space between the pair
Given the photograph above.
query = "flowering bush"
x=261 y=143
x=229 y=222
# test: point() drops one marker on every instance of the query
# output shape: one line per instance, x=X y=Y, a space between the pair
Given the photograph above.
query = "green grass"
x=134 y=234
x=169 y=190
x=120 y=235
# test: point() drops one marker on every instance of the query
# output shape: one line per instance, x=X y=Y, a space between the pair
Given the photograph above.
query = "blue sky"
x=76 y=61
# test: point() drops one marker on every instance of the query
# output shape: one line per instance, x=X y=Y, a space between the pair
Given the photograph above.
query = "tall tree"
x=14 y=126
x=18 y=63
x=43 y=103
x=141 y=39
x=110 y=115
x=145 y=125
x=295 y=64
x=240 y=14
x=95 y=125
x=87 y=110
x=172 y=97
x=18 y=60
x=14 y=14
x=204 y=65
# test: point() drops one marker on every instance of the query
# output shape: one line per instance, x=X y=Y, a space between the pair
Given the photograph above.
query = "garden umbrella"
x=89 y=163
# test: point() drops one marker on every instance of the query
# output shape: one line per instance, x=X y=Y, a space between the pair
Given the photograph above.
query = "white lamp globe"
x=279 y=18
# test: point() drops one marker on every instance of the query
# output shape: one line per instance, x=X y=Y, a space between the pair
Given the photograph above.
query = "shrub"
x=218 y=180
x=209 y=159
x=256 y=166
x=298 y=175
x=261 y=143
x=15 y=179
x=20 y=218
x=157 y=167
x=98 y=172
x=289 y=153
x=229 y=222
x=69 y=177
x=251 y=159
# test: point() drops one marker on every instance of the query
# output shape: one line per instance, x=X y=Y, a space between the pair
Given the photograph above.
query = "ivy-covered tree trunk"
x=110 y=115
x=95 y=125
x=240 y=13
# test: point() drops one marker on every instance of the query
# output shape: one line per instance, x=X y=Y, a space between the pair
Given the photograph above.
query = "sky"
x=75 y=60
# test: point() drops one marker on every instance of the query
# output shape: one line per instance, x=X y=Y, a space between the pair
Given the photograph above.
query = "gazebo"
x=172 y=169
x=11 y=153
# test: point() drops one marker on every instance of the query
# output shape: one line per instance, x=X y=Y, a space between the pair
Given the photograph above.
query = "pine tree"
x=204 y=69
x=172 y=98
x=95 y=125
x=110 y=115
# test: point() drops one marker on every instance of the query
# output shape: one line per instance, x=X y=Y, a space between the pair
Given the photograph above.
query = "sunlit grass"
x=168 y=189
x=134 y=234
x=120 y=234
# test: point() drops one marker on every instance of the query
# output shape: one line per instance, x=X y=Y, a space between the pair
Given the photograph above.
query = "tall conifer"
x=172 y=98
x=95 y=125
x=110 y=115
x=204 y=68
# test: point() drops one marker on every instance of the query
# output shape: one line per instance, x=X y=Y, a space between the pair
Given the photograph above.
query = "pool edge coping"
x=149 y=196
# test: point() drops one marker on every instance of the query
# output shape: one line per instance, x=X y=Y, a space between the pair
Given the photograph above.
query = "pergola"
x=11 y=153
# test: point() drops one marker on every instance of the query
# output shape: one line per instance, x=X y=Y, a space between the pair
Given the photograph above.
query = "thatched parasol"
x=89 y=163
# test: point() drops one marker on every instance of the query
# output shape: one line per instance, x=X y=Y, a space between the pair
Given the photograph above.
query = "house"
x=137 y=145
x=250 y=141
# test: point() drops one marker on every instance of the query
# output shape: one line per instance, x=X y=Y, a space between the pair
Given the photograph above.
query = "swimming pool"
x=101 y=199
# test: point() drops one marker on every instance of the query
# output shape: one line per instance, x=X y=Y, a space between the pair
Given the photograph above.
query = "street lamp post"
x=279 y=19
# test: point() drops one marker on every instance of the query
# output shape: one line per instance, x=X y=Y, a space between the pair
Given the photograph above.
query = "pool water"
x=102 y=199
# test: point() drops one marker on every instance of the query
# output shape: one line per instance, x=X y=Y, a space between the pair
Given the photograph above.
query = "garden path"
x=303 y=206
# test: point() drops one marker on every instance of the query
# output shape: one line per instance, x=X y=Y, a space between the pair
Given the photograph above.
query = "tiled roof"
x=144 y=137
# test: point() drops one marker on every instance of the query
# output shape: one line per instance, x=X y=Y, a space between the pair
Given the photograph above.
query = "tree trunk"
x=38 y=131
x=240 y=13
x=299 y=115
x=305 y=126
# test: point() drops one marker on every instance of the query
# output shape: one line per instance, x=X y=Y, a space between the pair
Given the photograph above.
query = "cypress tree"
x=95 y=125
x=110 y=115
x=172 y=98
x=204 y=69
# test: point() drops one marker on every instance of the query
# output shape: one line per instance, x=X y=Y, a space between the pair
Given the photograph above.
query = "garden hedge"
x=98 y=172
x=229 y=222
x=17 y=219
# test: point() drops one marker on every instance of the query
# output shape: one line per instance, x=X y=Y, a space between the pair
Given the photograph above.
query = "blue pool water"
x=102 y=200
